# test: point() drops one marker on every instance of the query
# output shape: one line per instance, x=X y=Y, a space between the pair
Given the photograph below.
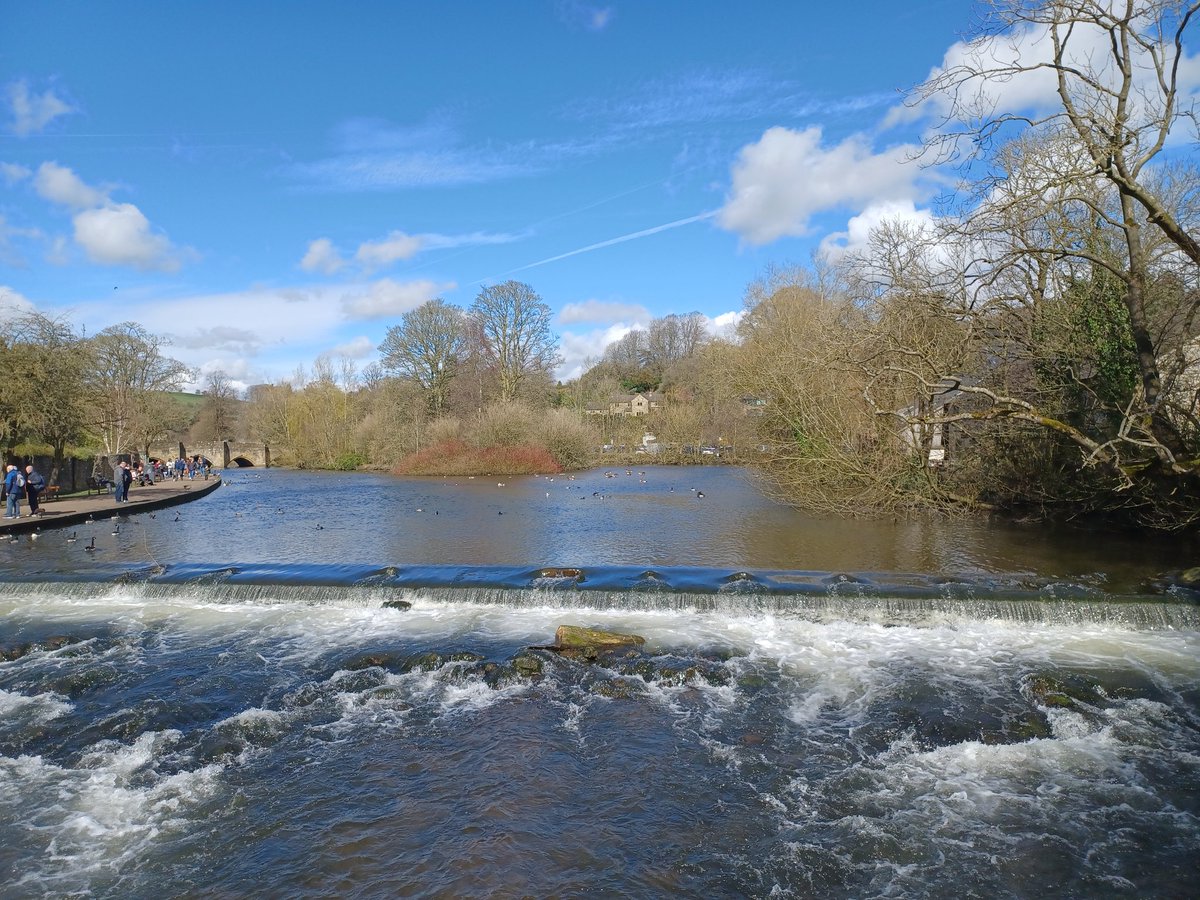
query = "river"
x=232 y=698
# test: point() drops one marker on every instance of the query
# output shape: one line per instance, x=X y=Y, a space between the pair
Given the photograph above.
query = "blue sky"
x=264 y=182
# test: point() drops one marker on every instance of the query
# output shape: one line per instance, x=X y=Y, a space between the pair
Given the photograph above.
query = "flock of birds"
x=73 y=537
x=599 y=495
x=91 y=547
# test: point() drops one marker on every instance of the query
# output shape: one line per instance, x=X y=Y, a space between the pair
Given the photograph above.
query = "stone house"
x=640 y=404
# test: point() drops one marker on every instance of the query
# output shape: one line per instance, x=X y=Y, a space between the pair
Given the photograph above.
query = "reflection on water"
x=650 y=516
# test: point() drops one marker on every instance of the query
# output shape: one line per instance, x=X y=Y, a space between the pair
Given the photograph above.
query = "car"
x=709 y=451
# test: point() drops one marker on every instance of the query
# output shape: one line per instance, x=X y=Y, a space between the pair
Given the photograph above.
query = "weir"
x=928 y=604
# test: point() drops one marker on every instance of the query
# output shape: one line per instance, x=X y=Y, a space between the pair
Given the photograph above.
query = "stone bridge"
x=225 y=455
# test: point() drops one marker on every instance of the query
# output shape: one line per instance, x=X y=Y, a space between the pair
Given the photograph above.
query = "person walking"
x=119 y=489
x=34 y=485
x=14 y=487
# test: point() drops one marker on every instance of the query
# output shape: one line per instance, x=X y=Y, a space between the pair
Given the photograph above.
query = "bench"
x=51 y=492
x=99 y=484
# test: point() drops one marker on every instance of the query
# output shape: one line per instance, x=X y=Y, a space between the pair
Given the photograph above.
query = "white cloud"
x=579 y=350
x=61 y=185
x=725 y=325
x=1013 y=75
x=118 y=234
x=323 y=257
x=600 y=312
x=1004 y=90
x=589 y=16
x=396 y=246
x=781 y=181
x=12 y=303
x=386 y=297
x=8 y=253
x=59 y=251
x=358 y=348
x=13 y=173
x=858 y=230
x=219 y=337
x=32 y=112
x=266 y=331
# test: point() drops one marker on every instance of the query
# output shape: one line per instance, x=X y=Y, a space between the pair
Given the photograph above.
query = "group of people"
x=189 y=468
x=17 y=485
x=124 y=475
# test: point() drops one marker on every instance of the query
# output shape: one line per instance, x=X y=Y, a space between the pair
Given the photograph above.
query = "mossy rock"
x=466 y=656
x=1061 y=693
x=752 y=683
x=12 y=652
x=358 y=681
x=578 y=637
x=305 y=695
x=427 y=661
x=385 y=692
x=527 y=665
x=76 y=683
x=382 y=659
x=494 y=674
x=1030 y=727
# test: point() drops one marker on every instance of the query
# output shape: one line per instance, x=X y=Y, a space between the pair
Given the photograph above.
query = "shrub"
x=459 y=458
x=504 y=425
x=348 y=462
x=569 y=439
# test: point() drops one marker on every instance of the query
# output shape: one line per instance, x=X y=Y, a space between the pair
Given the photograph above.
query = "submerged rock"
x=383 y=659
x=1188 y=579
x=527 y=665
x=16 y=651
x=619 y=689
x=396 y=604
x=1062 y=693
x=573 y=574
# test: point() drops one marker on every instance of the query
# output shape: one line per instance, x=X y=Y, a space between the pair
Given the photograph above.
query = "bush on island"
x=458 y=458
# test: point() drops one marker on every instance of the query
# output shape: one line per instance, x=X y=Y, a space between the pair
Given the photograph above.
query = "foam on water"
x=23 y=711
x=85 y=822
x=853 y=756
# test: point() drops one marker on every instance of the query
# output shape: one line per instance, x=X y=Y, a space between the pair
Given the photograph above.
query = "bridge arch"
x=226 y=454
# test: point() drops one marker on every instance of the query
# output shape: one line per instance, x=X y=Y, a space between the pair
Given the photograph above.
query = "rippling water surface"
x=242 y=702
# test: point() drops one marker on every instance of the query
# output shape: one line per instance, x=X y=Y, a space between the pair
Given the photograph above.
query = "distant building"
x=640 y=404
x=753 y=406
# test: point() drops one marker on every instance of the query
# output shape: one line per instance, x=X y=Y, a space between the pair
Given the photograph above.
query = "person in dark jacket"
x=13 y=489
x=126 y=480
x=34 y=485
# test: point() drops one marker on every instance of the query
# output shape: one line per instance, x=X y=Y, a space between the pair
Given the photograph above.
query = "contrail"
x=617 y=240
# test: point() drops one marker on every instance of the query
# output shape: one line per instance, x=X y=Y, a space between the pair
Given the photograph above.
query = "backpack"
x=20 y=480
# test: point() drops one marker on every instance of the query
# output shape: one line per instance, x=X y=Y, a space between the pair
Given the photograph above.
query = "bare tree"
x=218 y=417
x=127 y=366
x=673 y=338
x=515 y=323
x=1098 y=145
x=427 y=346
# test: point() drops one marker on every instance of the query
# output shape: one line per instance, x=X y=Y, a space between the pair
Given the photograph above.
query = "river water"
x=229 y=699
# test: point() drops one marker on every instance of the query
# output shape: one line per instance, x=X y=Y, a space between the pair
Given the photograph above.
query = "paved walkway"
x=76 y=509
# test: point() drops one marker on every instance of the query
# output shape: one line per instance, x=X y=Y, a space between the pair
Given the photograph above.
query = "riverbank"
x=77 y=509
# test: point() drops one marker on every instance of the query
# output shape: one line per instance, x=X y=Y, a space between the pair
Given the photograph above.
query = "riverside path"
x=78 y=508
